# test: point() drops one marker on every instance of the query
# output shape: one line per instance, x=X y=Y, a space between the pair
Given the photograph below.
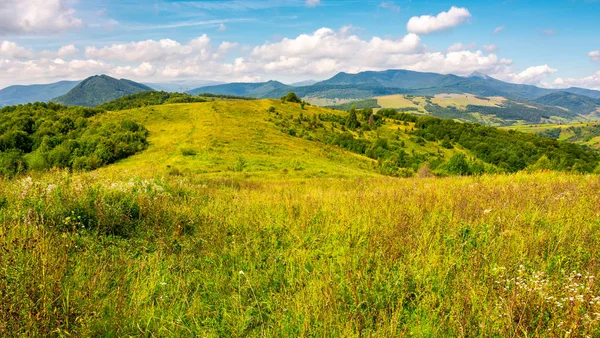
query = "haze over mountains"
x=34 y=93
x=101 y=89
x=369 y=84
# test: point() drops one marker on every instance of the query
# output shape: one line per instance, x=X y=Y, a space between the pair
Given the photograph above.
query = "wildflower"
x=487 y=211
x=50 y=188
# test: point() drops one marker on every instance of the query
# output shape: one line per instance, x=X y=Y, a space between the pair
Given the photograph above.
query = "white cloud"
x=144 y=70
x=67 y=51
x=532 y=75
x=427 y=24
x=48 y=70
x=36 y=17
x=151 y=50
x=222 y=27
x=499 y=29
x=591 y=82
x=11 y=50
x=313 y=3
x=490 y=48
x=595 y=55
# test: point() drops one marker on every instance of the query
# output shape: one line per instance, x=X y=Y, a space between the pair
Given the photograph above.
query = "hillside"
x=264 y=219
x=223 y=137
x=583 y=133
x=14 y=95
x=266 y=137
x=99 y=89
x=573 y=102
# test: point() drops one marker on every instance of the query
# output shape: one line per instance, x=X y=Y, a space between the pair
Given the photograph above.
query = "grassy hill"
x=99 y=89
x=232 y=137
x=14 y=95
x=259 y=218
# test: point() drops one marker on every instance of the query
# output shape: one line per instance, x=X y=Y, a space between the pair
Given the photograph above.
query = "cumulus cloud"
x=427 y=24
x=67 y=51
x=11 y=50
x=594 y=55
x=36 y=17
x=591 y=82
x=48 y=70
x=532 y=75
x=151 y=50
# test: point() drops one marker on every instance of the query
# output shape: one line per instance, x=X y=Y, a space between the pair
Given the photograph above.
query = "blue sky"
x=549 y=43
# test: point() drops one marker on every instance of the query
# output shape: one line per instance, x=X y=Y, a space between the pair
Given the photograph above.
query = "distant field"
x=397 y=101
x=585 y=133
x=463 y=100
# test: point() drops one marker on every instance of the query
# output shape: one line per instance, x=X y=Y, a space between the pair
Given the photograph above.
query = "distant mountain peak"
x=99 y=89
x=480 y=75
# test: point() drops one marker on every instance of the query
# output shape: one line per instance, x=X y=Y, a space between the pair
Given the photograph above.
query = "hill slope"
x=14 y=95
x=271 y=138
x=222 y=137
x=99 y=89
x=573 y=102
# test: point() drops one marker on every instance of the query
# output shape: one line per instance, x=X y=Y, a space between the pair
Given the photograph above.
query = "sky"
x=553 y=44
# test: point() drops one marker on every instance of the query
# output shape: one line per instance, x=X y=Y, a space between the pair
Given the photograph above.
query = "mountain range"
x=370 y=84
x=100 y=89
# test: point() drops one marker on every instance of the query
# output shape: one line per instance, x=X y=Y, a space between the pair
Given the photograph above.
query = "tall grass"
x=92 y=254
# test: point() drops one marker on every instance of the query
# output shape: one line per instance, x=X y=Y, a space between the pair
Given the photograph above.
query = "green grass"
x=97 y=254
x=225 y=226
x=220 y=132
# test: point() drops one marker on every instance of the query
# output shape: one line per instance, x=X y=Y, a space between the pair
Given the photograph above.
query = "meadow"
x=98 y=254
x=235 y=220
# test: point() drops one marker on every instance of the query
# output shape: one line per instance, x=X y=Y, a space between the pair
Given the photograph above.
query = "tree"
x=352 y=121
x=458 y=165
x=291 y=97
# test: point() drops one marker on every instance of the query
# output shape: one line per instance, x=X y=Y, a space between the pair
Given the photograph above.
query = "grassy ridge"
x=99 y=254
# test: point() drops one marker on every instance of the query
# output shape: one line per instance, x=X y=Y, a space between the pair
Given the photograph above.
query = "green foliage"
x=352 y=121
x=543 y=163
x=551 y=133
x=291 y=97
x=149 y=98
x=44 y=135
x=508 y=150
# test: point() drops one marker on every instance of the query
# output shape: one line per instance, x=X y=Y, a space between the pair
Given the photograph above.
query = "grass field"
x=99 y=254
x=213 y=137
x=226 y=226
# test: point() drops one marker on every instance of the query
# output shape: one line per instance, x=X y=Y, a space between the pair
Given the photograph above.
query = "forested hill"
x=99 y=89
